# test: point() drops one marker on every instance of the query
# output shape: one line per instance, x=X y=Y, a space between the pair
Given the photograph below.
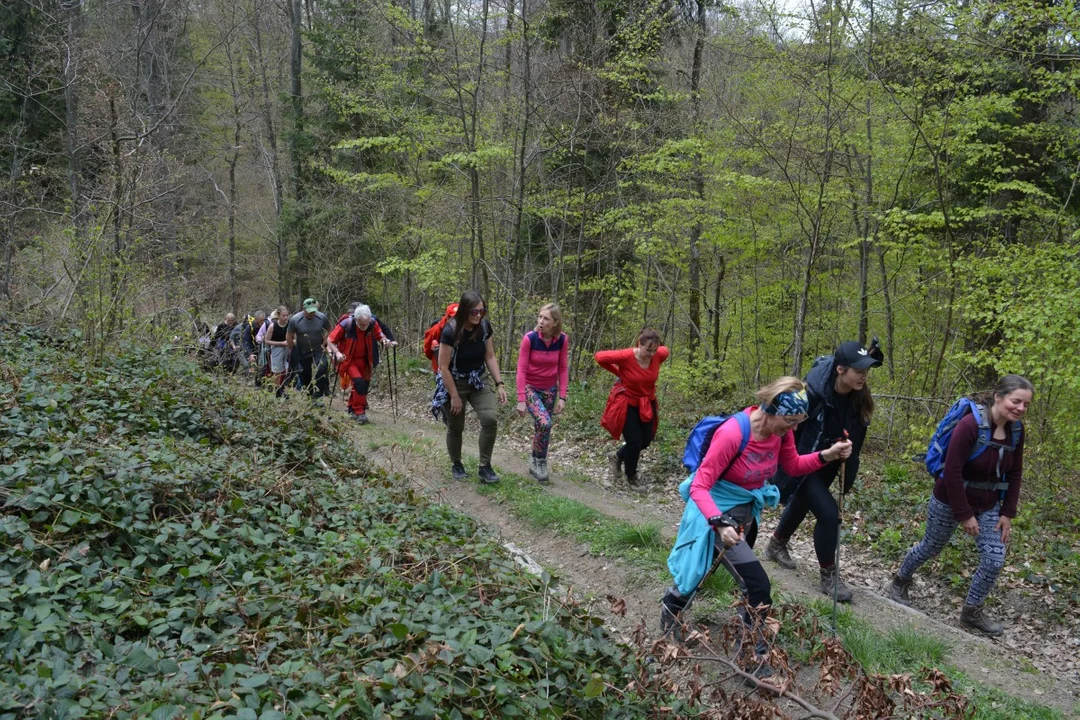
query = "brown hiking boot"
x=972 y=616
x=637 y=485
x=614 y=464
x=777 y=551
x=898 y=590
x=829 y=579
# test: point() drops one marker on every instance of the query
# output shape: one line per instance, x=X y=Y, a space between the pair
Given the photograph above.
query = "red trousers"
x=358 y=397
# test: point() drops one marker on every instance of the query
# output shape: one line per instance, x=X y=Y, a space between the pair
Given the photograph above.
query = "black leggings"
x=638 y=436
x=813 y=497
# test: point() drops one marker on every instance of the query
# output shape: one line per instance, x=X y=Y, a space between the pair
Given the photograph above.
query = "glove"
x=721 y=521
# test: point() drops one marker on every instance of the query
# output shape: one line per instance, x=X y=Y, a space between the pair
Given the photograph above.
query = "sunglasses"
x=477 y=312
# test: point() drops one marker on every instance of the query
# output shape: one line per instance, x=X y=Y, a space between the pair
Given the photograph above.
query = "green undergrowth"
x=173 y=547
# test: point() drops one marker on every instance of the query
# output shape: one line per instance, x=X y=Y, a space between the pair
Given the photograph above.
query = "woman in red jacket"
x=631 y=407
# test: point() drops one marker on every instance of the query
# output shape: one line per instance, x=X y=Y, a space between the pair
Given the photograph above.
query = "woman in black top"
x=465 y=349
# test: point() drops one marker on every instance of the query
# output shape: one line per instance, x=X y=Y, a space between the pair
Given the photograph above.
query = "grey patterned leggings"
x=940 y=525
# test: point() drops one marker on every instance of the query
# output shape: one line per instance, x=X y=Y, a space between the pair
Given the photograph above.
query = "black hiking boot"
x=487 y=475
x=830 y=582
x=671 y=624
x=898 y=590
x=972 y=616
x=777 y=551
x=361 y=418
x=458 y=471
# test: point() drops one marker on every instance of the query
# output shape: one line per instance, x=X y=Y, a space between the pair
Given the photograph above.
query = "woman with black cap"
x=840 y=406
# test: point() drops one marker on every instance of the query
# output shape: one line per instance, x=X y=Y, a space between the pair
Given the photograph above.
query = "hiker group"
x=303 y=350
x=799 y=440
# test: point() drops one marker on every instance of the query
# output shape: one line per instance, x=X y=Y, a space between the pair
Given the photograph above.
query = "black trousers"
x=814 y=497
x=313 y=372
x=637 y=436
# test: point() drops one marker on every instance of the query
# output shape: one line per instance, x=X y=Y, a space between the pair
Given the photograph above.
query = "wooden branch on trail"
x=813 y=710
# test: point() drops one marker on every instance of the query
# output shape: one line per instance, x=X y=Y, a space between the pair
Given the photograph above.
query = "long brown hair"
x=469 y=300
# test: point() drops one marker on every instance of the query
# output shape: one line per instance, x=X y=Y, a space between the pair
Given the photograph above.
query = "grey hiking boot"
x=614 y=464
x=637 y=485
x=777 y=551
x=972 y=616
x=829 y=579
x=534 y=468
x=542 y=470
x=361 y=418
x=898 y=590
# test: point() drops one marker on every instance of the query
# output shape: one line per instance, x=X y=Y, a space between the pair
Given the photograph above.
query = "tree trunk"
x=270 y=132
x=699 y=189
x=299 y=272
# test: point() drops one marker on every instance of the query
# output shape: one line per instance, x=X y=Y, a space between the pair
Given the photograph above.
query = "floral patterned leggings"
x=541 y=404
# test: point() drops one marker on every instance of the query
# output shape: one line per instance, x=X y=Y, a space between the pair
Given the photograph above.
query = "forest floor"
x=1031 y=661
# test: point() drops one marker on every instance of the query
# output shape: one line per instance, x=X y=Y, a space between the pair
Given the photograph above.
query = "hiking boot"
x=614 y=464
x=534 y=468
x=487 y=475
x=972 y=616
x=458 y=471
x=829 y=580
x=898 y=590
x=636 y=484
x=361 y=418
x=542 y=470
x=777 y=551
x=671 y=624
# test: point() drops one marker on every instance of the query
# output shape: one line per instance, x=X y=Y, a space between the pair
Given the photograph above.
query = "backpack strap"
x=744 y=438
x=982 y=419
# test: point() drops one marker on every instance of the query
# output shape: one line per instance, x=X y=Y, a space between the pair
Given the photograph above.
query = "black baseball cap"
x=853 y=354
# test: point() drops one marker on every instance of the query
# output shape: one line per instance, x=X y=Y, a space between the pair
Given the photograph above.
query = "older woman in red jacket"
x=631 y=407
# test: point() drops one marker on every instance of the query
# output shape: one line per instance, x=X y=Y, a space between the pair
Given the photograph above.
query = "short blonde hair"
x=556 y=316
x=785 y=384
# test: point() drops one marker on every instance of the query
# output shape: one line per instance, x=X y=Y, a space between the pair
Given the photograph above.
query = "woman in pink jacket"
x=542 y=376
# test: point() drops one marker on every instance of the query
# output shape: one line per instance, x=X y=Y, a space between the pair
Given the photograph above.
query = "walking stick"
x=839 y=531
x=390 y=382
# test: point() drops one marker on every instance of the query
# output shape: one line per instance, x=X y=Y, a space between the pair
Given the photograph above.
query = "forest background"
x=758 y=181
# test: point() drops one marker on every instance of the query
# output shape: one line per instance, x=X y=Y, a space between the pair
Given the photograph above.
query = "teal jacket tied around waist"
x=692 y=555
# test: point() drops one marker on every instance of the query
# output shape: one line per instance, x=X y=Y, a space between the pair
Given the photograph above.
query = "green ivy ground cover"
x=170 y=550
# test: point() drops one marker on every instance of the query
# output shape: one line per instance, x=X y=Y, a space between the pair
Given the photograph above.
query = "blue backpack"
x=939 y=442
x=702 y=434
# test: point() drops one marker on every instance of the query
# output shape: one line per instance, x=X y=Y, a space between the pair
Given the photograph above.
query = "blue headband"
x=788 y=403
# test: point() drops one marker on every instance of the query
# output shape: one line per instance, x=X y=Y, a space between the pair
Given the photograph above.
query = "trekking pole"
x=839 y=531
x=390 y=382
x=394 y=399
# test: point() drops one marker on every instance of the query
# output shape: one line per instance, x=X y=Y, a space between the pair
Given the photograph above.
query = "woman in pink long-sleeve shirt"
x=542 y=376
x=771 y=443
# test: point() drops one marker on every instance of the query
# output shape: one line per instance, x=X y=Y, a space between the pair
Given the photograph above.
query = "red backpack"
x=431 y=337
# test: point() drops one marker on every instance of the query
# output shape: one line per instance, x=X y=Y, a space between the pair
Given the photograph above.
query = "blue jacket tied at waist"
x=692 y=555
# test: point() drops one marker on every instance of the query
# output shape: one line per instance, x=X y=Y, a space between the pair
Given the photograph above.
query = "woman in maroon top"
x=965 y=495
x=631 y=407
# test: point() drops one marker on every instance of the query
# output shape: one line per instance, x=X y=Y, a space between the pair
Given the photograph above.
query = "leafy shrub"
x=170 y=549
